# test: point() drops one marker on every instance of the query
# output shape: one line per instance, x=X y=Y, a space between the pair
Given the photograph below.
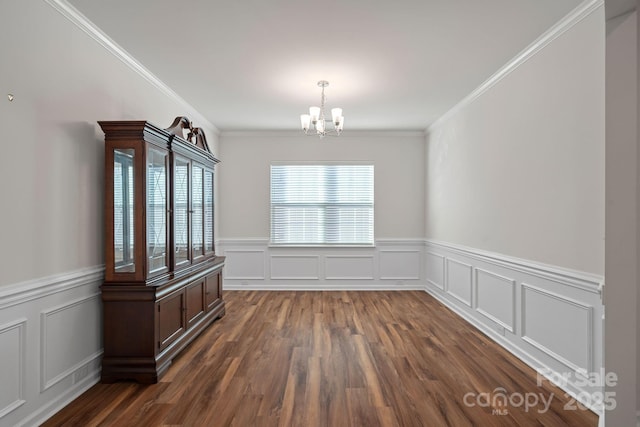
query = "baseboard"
x=366 y=286
x=53 y=407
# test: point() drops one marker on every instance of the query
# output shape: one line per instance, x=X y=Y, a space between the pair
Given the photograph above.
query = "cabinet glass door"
x=181 y=211
x=123 y=211
x=197 y=229
x=208 y=212
x=157 y=252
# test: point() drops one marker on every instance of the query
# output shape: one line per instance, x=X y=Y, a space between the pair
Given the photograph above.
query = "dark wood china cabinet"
x=163 y=280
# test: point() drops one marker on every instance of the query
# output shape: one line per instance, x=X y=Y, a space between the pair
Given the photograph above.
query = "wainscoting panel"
x=435 y=270
x=496 y=298
x=245 y=264
x=349 y=267
x=50 y=344
x=71 y=322
x=390 y=264
x=295 y=267
x=459 y=281
x=399 y=264
x=12 y=374
x=569 y=321
x=550 y=317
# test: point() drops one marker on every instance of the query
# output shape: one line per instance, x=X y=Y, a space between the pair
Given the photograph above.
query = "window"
x=330 y=204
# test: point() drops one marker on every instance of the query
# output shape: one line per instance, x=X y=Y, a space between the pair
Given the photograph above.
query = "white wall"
x=51 y=168
x=525 y=159
x=243 y=177
x=621 y=261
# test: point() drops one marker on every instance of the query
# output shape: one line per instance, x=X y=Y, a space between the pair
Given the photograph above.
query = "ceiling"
x=392 y=65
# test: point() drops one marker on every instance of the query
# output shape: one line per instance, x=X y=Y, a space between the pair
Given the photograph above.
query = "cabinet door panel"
x=170 y=319
x=213 y=291
x=195 y=302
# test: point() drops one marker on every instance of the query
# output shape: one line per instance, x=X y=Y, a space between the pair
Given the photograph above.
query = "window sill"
x=307 y=245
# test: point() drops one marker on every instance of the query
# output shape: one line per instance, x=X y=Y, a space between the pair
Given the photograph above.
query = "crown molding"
x=583 y=10
x=345 y=134
x=79 y=20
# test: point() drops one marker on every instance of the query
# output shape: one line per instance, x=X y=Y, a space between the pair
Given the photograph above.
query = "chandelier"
x=315 y=120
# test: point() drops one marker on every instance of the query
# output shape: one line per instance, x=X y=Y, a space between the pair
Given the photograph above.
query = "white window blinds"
x=329 y=204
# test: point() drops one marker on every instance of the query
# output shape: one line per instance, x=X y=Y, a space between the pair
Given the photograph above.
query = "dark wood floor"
x=331 y=359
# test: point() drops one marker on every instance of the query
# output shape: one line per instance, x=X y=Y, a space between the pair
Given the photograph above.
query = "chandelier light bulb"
x=305 y=120
x=314 y=112
x=336 y=113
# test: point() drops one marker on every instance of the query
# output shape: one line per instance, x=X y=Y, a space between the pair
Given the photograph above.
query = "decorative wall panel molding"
x=549 y=317
x=295 y=267
x=459 y=281
x=435 y=270
x=390 y=264
x=12 y=369
x=245 y=264
x=75 y=321
x=400 y=264
x=496 y=298
x=570 y=322
x=349 y=267
x=58 y=320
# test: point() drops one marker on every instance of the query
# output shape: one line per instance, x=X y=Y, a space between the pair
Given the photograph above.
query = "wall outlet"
x=244 y=283
x=500 y=329
x=400 y=283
